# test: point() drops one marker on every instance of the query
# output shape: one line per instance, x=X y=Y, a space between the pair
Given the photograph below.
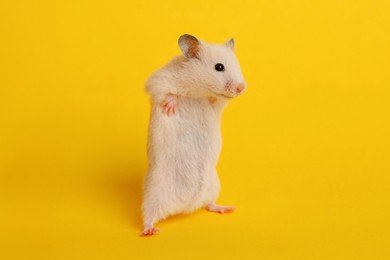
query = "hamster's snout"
x=240 y=88
x=234 y=89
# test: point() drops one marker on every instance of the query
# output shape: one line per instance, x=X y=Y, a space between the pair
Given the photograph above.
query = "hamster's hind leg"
x=220 y=209
x=157 y=205
x=149 y=220
x=151 y=210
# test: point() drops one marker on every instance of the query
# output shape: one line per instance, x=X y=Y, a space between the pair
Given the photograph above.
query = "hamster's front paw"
x=169 y=104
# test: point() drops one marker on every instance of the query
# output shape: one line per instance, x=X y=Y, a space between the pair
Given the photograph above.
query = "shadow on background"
x=123 y=190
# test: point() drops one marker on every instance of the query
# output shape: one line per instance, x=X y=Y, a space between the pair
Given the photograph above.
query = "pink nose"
x=240 y=88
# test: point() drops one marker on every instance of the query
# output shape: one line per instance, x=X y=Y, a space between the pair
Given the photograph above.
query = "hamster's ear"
x=189 y=46
x=230 y=44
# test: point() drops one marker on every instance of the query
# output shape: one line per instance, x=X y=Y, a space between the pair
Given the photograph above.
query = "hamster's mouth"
x=224 y=95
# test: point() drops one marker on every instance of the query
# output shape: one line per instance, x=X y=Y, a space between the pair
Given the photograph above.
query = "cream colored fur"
x=183 y=148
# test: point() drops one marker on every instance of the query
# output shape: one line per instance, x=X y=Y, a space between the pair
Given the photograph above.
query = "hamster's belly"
x=185 y=147
x=198 y=133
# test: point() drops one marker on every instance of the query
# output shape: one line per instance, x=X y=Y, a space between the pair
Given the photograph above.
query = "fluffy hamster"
x=188 y=96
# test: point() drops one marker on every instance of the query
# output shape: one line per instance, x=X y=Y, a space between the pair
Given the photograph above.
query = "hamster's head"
x=213 y=68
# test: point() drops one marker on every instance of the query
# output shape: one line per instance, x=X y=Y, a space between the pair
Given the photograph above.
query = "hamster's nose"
x=240 y=88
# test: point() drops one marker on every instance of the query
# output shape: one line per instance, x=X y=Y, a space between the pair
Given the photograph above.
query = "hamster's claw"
x=150 y=231
x=169 y=105
x=220 y=209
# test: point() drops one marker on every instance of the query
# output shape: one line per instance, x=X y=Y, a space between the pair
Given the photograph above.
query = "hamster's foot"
x=220 y=209
x=150 y=231
x=169 y=104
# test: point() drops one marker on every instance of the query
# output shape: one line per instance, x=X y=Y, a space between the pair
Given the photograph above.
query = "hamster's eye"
x=219 y=67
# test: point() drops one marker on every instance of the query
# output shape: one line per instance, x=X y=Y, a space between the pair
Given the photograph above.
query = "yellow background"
x=306 y=149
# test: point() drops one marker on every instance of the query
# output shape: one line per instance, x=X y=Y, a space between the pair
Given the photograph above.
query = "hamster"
x=188 y=96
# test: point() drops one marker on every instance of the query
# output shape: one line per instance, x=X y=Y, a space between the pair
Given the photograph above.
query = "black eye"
x=219 y=67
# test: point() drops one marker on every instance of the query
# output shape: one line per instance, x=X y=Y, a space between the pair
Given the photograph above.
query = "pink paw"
x=220 y=209
x=169 y=104
x=150 y=231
